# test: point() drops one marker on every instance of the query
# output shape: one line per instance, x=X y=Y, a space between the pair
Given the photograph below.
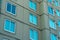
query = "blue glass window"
x=52 y=24
x=56 y=2
x=12 y=27
x=50 y=10
x=57 y=12
x=33 y=19
x=11 y=8
x=33 y=35
x=53 y=37
x=32 y=5
x=58 y=23
x=9 y=26
x=49 y=1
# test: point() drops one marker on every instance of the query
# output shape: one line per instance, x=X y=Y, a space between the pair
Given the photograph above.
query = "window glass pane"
x=50 y=1
x=7 y=25
x=9 y=7
x=52 y=24
x=31 y=34
x=50 y=10
x=13 y=9
x=56 y=3
x=31 y=18
x=32 y=5
x=35 y=35
x=34 y=20
x=12 y=27
x=59 y=23
x=53 y=37
x=57 y=12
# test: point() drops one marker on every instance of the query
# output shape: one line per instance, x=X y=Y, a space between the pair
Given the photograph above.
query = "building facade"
x=29 y=19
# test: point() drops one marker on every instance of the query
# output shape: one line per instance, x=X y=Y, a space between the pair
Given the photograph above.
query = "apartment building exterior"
x=29 y=19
